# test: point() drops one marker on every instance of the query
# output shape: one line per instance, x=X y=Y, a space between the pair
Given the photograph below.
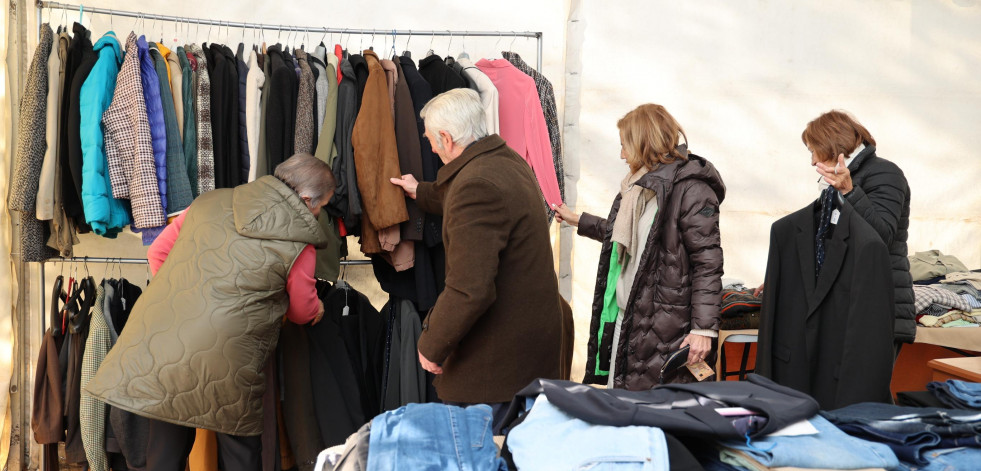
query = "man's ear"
x=445 y=138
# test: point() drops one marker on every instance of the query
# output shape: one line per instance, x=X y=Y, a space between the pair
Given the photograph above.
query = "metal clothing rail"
x=140 y=261
x=303 y=29
x=109 y=260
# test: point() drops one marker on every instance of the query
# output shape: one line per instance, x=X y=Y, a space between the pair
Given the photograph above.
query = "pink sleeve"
x=540 y=148
x=302 y=288
x=160 y=248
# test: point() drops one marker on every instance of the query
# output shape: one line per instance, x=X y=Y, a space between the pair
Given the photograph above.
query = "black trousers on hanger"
x=171 y=444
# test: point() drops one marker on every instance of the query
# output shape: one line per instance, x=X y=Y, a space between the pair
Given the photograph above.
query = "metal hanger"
x=515 y=38
x=394 y=37
x=463 y=53
x=433 y=38
x=449 y=44
x=406 y=52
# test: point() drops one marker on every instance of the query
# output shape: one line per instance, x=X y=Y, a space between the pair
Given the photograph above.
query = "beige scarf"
x=633 y=202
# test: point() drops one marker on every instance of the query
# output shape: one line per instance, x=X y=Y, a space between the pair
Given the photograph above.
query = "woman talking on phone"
x=843 y=154
x=659 y=283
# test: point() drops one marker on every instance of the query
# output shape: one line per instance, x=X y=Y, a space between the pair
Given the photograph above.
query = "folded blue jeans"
x=954 y=459
x=969 y=393
x=549 y=439
x=434 y=436
x=943 y=422
x=941 y=391
x=909 y=448
x=830 y=448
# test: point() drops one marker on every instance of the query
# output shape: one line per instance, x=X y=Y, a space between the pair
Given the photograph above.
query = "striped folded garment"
x=736 y=302
x=924 y=296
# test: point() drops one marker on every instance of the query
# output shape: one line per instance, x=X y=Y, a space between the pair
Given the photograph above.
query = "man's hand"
x=428 y=365
x=838 y=175
x=408 y=184
x=758 y=291
x=700 y=347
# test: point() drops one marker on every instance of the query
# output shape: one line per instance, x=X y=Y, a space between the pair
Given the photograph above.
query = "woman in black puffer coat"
x=659 y=285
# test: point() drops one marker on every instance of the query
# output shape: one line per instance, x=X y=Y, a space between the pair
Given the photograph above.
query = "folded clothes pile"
x=921 y=437
x=740 y=309
x=957 y=394
x=955 y=302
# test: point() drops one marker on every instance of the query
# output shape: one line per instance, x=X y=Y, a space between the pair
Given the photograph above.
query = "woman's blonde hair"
x=650 y=136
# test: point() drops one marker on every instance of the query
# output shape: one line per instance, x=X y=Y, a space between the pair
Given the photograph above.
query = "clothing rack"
x=302 y=29
x=107 y=260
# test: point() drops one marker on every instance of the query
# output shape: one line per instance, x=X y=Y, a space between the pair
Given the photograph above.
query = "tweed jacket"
x=206 y=151
x=129 y=149
x=31 y=144
x=93 y=412
x=106 y=215
x=303 y=139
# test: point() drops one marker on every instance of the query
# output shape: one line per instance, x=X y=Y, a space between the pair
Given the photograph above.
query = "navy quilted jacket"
x=154 y=111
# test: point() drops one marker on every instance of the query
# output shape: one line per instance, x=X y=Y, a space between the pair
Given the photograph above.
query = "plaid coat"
x=129 y=148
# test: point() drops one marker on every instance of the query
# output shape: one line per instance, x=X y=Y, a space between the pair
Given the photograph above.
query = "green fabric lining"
x=610 y=309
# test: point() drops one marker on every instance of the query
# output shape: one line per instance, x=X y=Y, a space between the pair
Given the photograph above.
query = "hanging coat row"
x=136 y=130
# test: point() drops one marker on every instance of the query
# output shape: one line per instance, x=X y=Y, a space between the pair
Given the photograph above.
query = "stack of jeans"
x=922 y=438
x=830 y=448
x=549 y=438
x=433 y=436
x=957 y=394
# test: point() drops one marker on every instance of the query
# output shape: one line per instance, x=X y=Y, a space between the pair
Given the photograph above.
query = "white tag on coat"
x=834 y=216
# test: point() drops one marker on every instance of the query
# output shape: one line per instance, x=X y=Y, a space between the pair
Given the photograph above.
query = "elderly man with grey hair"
x=498 y=324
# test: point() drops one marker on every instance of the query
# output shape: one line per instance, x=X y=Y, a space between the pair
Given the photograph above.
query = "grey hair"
x=459 y=112
x=307 y=176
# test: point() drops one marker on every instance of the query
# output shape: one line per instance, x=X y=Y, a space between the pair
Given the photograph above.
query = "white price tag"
x=834 y=216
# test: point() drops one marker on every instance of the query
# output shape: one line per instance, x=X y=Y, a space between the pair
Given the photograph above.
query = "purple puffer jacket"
x=154 y=111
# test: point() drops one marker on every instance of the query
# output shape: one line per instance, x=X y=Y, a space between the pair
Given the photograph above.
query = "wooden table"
x=965 y=369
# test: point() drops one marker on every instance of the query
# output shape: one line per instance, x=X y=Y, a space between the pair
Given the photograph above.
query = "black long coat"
x=280 y=121
x=830 y=336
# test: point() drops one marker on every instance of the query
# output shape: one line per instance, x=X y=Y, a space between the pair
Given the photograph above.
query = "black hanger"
x=57 y=297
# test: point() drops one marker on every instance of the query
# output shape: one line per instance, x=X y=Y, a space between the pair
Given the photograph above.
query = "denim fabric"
x=552 y=439
x=910 y=431
x=969 y=393
x=909 y=448
x=954 y=459
x=499 y=411
x=944 y=393
x=944 y=422
x=433 y=436
x=830 y=448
